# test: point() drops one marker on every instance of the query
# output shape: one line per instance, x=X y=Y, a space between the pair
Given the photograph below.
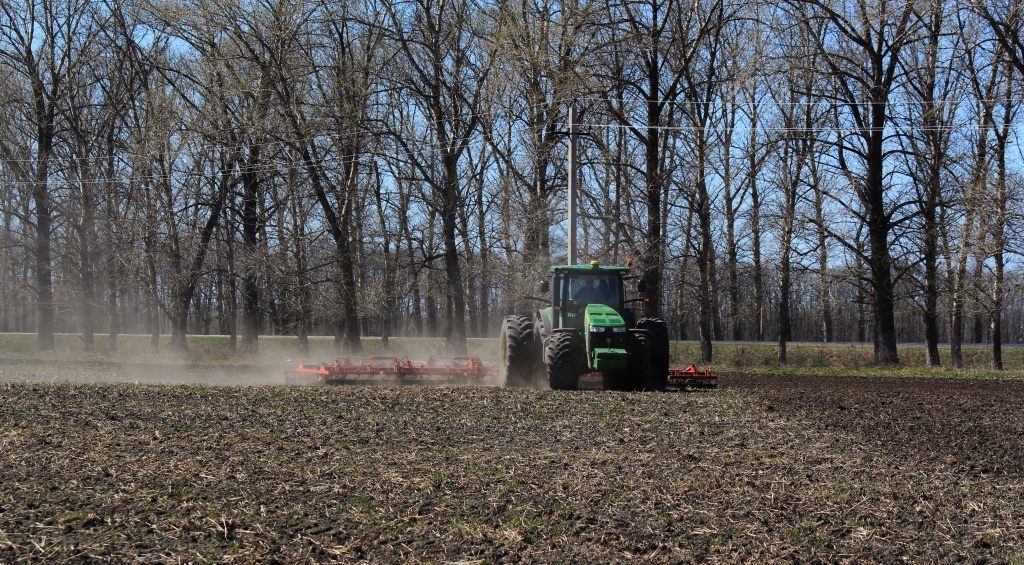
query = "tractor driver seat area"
x=591 y=293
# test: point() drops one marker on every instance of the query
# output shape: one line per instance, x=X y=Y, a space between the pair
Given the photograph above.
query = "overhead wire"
x=201 y=135
x=422 y=148
x=340 y=135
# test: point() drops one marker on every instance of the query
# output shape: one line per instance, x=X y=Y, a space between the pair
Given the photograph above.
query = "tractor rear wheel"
x=517 y=351
x=559 y=357
x=657 y=331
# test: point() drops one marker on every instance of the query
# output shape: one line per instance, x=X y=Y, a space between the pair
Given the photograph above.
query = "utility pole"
x=574 y=180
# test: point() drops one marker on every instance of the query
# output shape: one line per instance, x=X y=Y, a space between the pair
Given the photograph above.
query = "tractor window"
x=593 y=289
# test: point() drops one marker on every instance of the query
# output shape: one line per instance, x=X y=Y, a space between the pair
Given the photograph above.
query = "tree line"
x=800 y=170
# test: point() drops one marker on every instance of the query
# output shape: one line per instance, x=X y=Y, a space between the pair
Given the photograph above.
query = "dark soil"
x=762 y=469
x=970 y=427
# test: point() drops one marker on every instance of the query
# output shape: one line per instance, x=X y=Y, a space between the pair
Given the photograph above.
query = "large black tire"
x=657 y=331
x=517 y=351
x=639 y=362
x=559 y=357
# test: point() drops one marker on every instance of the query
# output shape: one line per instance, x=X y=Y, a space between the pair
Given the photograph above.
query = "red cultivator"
x=693 y=377
x=460 y=369
x=441 y=370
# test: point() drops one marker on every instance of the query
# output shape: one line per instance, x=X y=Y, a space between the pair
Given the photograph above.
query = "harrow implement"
x=692 y=377
x=456 y=369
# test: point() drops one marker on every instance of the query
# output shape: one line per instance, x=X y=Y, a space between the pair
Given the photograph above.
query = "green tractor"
x=586 y=328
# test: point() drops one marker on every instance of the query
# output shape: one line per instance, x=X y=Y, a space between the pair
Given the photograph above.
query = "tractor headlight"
x=619 y=330
x=596 y=329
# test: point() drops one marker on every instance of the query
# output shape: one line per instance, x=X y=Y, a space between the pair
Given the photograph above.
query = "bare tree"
x=445 y=70
x=676 y=60
x=702 y=67
x=821 y=218
x=799 y=117
x=757 y=151
x=861 y=48
x=266 y=35
x=320 y=84
x=734 y=193
x=1005 y=18
x=189 y=206
x=933 y=90
x=45 y=43
x=983 y=75
x=540 y=46
x=1010 y=106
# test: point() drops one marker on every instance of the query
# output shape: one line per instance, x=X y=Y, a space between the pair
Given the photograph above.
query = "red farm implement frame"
x=447 y=370
x=458 y=369
x=692 y=377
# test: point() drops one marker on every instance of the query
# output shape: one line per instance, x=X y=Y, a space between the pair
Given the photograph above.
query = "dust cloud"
x=268 y=367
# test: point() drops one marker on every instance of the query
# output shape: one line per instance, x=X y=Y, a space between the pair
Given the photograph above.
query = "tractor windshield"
x=584 y=289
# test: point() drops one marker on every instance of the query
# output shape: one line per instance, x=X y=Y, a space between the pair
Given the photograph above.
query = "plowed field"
x=761 y=469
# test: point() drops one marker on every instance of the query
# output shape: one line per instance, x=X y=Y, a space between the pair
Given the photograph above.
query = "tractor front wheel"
x=639 y=362
x=559 y=358
x=517 y=351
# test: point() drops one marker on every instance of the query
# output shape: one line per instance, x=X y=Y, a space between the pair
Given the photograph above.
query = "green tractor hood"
x=606 y=337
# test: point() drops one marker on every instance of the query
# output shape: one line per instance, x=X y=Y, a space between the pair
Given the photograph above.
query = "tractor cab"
x=583 y=289
x=579 y=289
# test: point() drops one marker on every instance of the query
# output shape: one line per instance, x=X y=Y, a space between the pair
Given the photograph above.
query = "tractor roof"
x=593 y=267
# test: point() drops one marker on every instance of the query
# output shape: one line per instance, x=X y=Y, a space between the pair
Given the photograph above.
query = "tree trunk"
x=450 y=201
x=861 y=299
x=654 y=241
x=387 y=310
x=732 y=246
x=352 y=342
x=472 y=327
x=433 y=326
x=785 y=322
x=958 y=293
x=86 y=235
x=250 y=253
x=682 y=285
x=792 y=164
x=41 y=249
x=113 y=250
x=930 y=255
x=339 y=226
x=755 y=234
x=302 y=283
x=537 y=242
x=999 y=225
x=113 y=315
x=152 y=294
x=413 y=270
x=824 y=296
x=879 y=259
x=705 y=257
x=931 y=291
x=485 y=275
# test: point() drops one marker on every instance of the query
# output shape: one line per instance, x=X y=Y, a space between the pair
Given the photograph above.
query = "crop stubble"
x=763 y=469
